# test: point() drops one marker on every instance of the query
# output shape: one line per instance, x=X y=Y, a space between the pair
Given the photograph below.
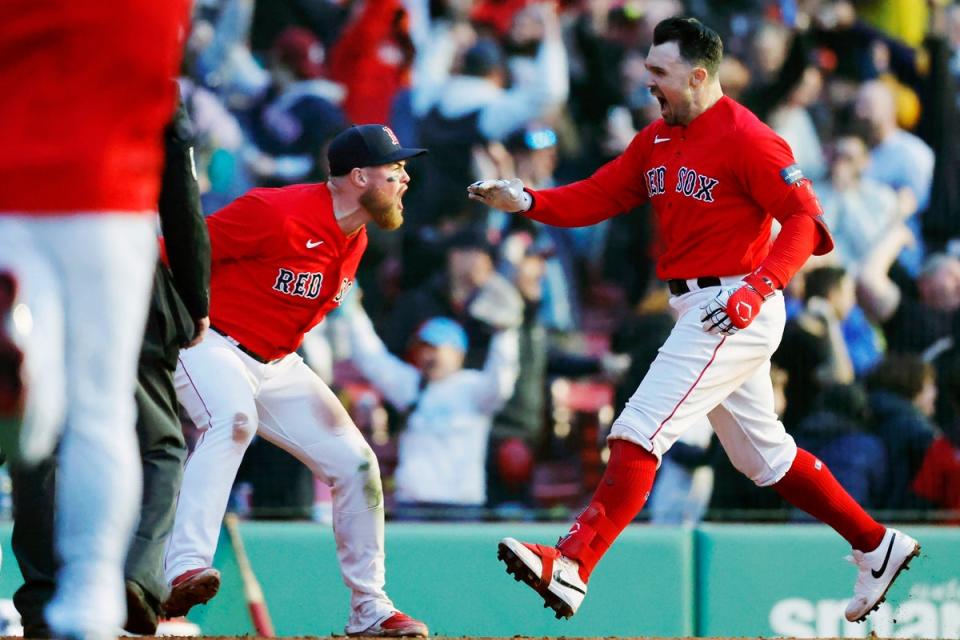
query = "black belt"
x=679 y=287
x=234 y=342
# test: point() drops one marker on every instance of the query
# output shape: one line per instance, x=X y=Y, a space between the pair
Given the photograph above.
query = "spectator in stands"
x=813 y=351
x=790 y=84
x=916 y=316
x=898 y=158
x=837 y=433
x=457 y=111
x=858 y=209
x=373 y=58
x=938 y=479
x=684 y=484
x=534 y=154
x=449 y=409
x=224 y=62
x=902 y=395
x=523 y=416
x=469 y=291
x=300 y=113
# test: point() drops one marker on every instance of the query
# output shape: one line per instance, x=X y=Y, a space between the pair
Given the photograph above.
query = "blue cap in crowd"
x=443 y=331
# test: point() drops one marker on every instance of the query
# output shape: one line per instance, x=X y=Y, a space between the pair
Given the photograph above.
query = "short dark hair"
x=847 y=400
x=903 y=374
x=698 y=43
x=821 y=281
x=483 y=58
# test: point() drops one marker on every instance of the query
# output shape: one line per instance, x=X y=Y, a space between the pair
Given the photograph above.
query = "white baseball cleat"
x=555 y=577
x=878 y=569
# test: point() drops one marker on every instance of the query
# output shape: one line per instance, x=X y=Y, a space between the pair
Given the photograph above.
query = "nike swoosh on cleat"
x=877 y=573
x=560 y=579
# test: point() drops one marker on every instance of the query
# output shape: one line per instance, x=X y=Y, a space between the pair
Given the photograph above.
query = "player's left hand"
x=734 y=308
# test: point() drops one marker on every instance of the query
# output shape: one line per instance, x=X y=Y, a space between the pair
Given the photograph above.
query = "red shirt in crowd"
x=279 y=264
x=938 y=479
x=372 y=59
x=89 y=86
x=715 y=186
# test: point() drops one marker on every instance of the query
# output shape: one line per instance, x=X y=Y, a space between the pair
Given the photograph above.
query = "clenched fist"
x=734 y=308
x=506 y=195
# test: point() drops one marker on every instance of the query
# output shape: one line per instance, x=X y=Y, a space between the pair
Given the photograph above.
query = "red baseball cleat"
x=190 y=588
x=399 y=625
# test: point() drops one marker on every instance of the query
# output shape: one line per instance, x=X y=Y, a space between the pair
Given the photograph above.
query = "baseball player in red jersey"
x=80 y=168
x=716 y=177
x=281 y=260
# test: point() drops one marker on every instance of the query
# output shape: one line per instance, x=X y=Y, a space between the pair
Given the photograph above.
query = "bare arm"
x=838 y=367
x=876 y=292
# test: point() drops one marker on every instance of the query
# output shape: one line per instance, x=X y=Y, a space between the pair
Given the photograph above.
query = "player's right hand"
x=200 y=326
x=734 y=308
x=506 y=195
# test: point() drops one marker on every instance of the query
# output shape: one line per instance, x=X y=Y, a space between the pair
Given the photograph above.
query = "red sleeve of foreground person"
x=715 y=186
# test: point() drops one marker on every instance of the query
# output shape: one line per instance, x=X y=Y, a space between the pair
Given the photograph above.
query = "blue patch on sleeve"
x=792 y=174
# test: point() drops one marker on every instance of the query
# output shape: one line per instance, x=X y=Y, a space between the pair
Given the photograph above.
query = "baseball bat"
x=252 y=591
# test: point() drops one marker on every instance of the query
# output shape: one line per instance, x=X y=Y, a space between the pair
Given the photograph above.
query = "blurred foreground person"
x=79 y=177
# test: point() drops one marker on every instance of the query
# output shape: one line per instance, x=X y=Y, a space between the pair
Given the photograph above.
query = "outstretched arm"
x=499 y=375
x=616 y=187
x=398 y=381
x=876 y=292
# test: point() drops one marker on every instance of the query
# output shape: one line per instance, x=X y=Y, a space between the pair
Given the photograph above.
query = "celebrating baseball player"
x=716 y=177
x=281 y=260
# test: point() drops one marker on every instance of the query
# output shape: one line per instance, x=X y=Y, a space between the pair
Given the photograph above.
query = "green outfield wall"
x=716 y=580
x=792 y=580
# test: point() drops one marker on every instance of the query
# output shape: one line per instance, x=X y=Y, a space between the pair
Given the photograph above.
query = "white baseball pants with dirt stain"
x=231 y=397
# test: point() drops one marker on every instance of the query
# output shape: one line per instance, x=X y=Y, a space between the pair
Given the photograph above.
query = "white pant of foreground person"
x=86 y=280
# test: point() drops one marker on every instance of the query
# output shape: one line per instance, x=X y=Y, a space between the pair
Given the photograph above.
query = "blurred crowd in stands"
x=530 y=338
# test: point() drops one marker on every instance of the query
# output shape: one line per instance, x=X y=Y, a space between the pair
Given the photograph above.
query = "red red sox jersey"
x=279 y=264
x=91 y=87
x=715 y=186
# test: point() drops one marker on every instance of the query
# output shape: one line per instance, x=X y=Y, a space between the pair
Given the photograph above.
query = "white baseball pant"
x=86 y=279
x=726 y=378
x=232 y=397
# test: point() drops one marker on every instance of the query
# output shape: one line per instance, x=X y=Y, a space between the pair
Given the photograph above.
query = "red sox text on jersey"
x=689 y=183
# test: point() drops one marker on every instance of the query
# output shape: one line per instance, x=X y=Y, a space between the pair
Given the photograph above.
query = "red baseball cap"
x=299 y=49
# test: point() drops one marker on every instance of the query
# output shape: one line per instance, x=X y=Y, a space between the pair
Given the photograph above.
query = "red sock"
x=619 y=497
x=810 y=486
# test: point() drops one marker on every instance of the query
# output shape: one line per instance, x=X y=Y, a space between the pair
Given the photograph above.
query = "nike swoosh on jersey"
x=658 y=140
x=311 y=244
